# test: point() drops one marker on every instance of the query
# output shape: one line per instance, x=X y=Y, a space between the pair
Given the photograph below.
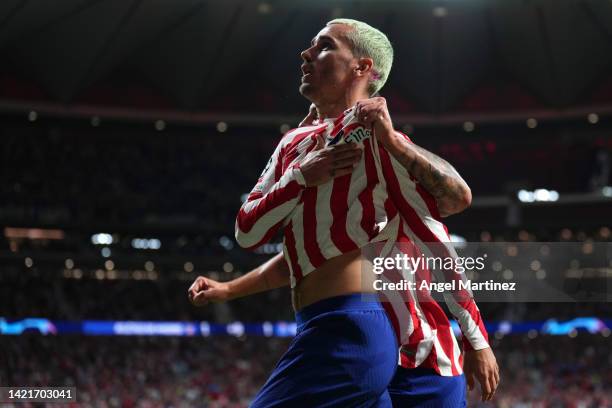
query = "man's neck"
x=334 y=109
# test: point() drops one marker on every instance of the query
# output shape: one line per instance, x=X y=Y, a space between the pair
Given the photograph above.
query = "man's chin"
x=306 y=90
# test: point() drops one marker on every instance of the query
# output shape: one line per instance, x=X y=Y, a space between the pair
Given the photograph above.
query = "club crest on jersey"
x=353 y=133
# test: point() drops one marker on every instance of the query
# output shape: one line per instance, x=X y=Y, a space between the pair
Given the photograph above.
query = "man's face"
x=328 y=65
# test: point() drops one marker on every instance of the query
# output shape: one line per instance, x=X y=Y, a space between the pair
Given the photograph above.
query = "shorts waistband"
x=356 y=301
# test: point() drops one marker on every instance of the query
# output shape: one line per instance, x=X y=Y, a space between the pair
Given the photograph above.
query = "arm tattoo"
x=437 y=176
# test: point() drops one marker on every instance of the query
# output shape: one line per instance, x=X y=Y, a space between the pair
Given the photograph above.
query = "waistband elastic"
x=356 y=301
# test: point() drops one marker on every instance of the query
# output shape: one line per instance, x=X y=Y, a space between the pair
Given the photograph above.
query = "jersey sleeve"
x=274 y=196
x=419 y=211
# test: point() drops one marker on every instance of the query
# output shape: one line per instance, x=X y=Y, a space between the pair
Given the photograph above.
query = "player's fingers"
x=200 y=284
x=195 y=282
x=320 y=142
x=312 y=111
x=195 y=287
x=365 y=102
x=470 y=380
x=371 y=106
x=346 y=162
x=347 y=153
x=497 y=377
x=336 y=149
x=492 y=385
x=309 y=119
x=485 y=386
x=370 y=117
x=200 y=299
x=192 y=292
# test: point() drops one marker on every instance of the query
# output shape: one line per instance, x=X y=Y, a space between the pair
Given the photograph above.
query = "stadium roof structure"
x=454 y=59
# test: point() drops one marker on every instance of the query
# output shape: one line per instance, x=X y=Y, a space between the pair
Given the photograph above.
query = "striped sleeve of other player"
x=419 y=210
x=274 y=196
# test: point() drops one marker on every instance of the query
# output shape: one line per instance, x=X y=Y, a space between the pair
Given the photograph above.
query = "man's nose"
x=306 y=55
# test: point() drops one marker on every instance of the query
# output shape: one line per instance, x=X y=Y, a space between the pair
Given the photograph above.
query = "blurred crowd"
x=143 y=372
x=226 y=372
x=66 y=176
x=553 y=372
x=69 y=172
x=41 y=293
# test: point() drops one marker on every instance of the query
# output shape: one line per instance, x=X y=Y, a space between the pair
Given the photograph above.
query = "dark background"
x=151 y=119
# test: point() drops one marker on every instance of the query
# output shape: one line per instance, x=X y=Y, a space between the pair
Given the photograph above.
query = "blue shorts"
x=424 y=388
x=344 y=354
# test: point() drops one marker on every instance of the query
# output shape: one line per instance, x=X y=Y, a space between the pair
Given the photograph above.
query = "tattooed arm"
x=435 y=174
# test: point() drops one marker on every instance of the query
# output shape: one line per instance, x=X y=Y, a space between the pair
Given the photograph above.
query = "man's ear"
x=364 y=66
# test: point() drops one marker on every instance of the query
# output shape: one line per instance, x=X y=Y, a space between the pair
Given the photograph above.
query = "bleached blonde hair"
x=369 y=42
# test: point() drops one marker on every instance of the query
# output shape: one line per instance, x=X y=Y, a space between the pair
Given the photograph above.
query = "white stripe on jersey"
x=298 y=231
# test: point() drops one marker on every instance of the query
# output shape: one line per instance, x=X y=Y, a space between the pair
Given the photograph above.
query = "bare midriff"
x=342 y=275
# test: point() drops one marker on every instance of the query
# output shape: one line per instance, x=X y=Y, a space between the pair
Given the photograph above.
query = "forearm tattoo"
x=437 y=176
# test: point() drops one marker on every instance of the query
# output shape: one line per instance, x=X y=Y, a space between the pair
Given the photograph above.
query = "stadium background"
x=132 y=129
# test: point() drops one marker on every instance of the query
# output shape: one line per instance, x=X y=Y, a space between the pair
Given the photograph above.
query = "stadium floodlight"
x=146 y=243
x=525 y=196
x=226 y=243
x=268 y=249
x=541 y=195
x=235 y=329
x=440 y=12
x=532 y=123
x=267 y=329
x=102 y=239
x=221 y=127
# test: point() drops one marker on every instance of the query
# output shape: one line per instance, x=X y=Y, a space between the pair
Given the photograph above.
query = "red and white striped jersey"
x=378 y=202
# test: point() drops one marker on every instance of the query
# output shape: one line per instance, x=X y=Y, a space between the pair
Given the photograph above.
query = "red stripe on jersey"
x=431 y=361
x=339 y=210
x=446 y=229
x=246 y=220
x=309 y=197
x=290 y=244
x=366 y=197
x=390 y=209
x=446 y=341
x=337 y=125
x=268 y=236
x=278 y=169
x=300 y=136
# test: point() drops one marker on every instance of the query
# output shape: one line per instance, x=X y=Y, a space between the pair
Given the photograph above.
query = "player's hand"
x=205 y=290
x=325 y=163
x=482 y=366
x=311 y=118
x=374 y=114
